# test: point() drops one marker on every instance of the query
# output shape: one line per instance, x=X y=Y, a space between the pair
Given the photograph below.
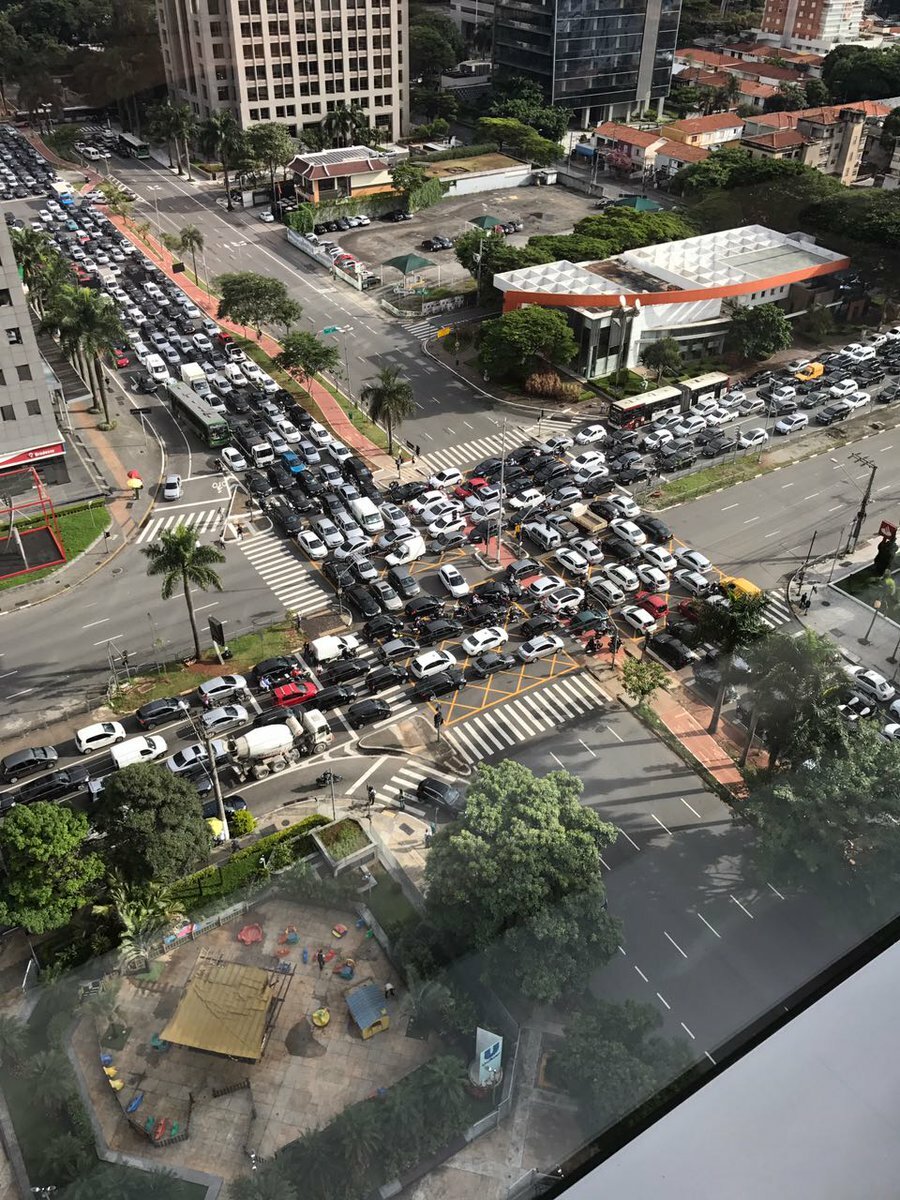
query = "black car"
x=539 y=623
x=333 y=696
x=302 y=504
x=347 y=668
x=232 y=804
x=20 y=763
x=722 y=443
x=386 y=676
x=237 y=404
x=280 y=477
x=437 y=791
x=671 y=650
x=555 y=474
x=308 y=484
x=677 y=459
x=48 y=787
x=441 y=684
x=257 y=484
x=401 y=493
x=338 y=572
x=491 y=662
x=286 y=517
x=157 y=712
x=623 y=461
x=813 y=399
x=618 y=548
x=655 y=529
x=143 y=383
x=637 y=474
x=278 y=667
x=357 y=468
x=603 y=508
x=381 y=626
x=424 y=606
x=840 y=410
x=486 y=467
x=759 y=379
x=495 y=591
x=365 y=712
x=440 y=629
x=361 y=599
x=477 y=616
x=889 y=394
x=589 y=620
x=523 y=568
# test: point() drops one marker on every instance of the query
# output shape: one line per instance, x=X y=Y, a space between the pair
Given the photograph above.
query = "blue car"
x=292 y=462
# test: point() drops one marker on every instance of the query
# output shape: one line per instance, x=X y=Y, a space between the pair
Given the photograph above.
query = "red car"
x=289 y=695
x=688 y=608
x=656 y=606
x=469 y=487
x=120 y=358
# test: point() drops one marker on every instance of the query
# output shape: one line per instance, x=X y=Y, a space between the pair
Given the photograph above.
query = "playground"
x=240 y=1040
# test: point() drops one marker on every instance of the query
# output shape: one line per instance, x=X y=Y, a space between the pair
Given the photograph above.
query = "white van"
x=327 y=649
x=91 y=153
x=142 y=352
x=262 y=454
x=367 y=514
x=406 y=552
x=138 y=750
x=156 y=368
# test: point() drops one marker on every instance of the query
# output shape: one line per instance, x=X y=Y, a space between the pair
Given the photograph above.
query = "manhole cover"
x=117 y=570
x=406 y=828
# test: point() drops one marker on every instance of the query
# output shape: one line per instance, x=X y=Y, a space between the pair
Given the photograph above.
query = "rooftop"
x=708 y=124
x=683 y=152
x=223 y=1010
x=778 y=139
x=613 y=131
x=452 y=168
x=331 y=164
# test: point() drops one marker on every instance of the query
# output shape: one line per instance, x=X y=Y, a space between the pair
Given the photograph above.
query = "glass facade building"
x=607 y=58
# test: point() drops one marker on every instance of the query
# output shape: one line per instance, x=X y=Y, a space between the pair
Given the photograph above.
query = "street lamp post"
x=502 y=481
x=864 y=641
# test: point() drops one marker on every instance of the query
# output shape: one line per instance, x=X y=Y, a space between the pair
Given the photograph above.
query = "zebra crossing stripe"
x=198 y=521
x=286 y=575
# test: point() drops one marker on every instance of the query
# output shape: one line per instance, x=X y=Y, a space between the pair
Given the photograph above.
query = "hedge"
x=244 y=866
x=456 y=152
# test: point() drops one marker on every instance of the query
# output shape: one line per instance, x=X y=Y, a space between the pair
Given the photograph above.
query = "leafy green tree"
x=519 y=138
x=49 y=873
x=663 y=356
x=733 y=167
x=307 y=354
x=853 y=72
x=154 y=832
x=250 y=299
x=140 y=910
x=346 y=125
x=517 y=877
x=760 y=331
x=222 y=138
x=13 y=1040
x=273 y=146
x=513 y=345
x=789 y=98
x=835 y=819
x=390 y=401
x=816 y=93
x=642 y=678
x=613 y=1060
x=434 y=104
x=286 y=313
x=182 y=561
x=796 y=686
x=89 y=328
x=732 y=627
x=407 y=177
x=524 y=101
x=435 y=45
x=485 y=255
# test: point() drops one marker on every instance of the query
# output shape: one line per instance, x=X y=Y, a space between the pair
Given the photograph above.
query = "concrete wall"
x=488 y=181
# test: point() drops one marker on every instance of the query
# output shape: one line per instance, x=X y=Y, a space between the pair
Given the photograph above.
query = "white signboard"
x=488 y=1054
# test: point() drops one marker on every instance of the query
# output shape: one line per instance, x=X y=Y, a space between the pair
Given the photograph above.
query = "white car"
x=690 y=426
x=438 y=509
x=570 y=560
x=693 y=559
x=449 y=477
x=431 y=662
x=657 y=438
x=266 y=217
x=226 y=717
x=751 y=404
x=99 y=736
x=891 y=732
x=202 y=343
x=628 y=531
x=453 y=581
x=589 y=549
x=338 y=452
x=720 y=416
x=491 y=638
x=733 y=399
x=252 y=371
x=529 y=498
x=659 y=556
x=233 y=459
x=222 y=687
x=625 y=505
x=424 y=501
x=450 y=522
x=541 y=647
x=588 y=461
x=753 y=437
x=791 y=423
x=319 y=434
x=858 y=399
x=623 y=577
x=326 y=529
x=693 y=582
x=846 y=387
x=543 y=585
x=406 y=552
x=590 y=434
x=312 y=545
x=172 y=489
x=235 y=375
x=394 y=516
x=652 y=578
x=190 y=756
x=782 y=391
x=564 y=599
x=639 y=619
x=606 y=591
x=276 y=441
x=871 y=683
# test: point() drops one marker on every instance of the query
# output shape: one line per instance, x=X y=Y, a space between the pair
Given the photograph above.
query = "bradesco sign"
x=33 y=455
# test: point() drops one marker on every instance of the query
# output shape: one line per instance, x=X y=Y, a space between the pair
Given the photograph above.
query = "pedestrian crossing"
x=403 y=785
x=527 y=716
x=776 y=612
x=466 y=454
x=293 y=582
x=206 y=520
x=425 y=328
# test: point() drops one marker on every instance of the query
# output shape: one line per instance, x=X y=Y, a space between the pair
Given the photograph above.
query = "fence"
x=360 y=282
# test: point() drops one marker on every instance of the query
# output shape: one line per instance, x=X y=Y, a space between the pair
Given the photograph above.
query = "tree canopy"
x=49 y=873
x=663 y=356
x=520 y=139
x=862 y=72
x=435 y=45
x=153 y=825
x=760 y=331
x=250 y=299
x=523 y=100
x=641 y=678
x=518 y=877
x=513 y=344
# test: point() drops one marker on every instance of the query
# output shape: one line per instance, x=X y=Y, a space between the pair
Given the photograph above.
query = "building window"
x=224 y=93
x=218 y=50
x=7 y=412
x=24 y=373
x=33 y=408
x=2 y=379
x=5 y=297
x=14 y=336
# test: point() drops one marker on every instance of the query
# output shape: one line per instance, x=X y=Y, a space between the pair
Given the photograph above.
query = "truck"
x=327 y=649
x=588 y=522
x=259 y=753
x=195 y=377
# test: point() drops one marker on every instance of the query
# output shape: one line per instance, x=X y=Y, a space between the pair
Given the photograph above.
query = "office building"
x=605 y=60
x=291 y=61
x=812 y=24
x=29 y=434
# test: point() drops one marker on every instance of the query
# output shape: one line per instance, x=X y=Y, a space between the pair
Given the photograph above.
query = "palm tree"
x=178 y=558
x=345 y=124
x=222 y=138
x=89 y=328
x=53 y=1078
x=116 y=199
x=731 y=627
x=390 y=399
x=64 y=1156
x=192 y=241
x=185 y=128
x=31 y=248
x=141 y=910
x=269 y=1183
x=162 y=126
x=12 y=1040
x=442 y=1083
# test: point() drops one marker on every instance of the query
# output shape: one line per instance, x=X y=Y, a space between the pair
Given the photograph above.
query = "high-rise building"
x=811 y=24
x=607 y=59
x=29 y=434
x=291 y=61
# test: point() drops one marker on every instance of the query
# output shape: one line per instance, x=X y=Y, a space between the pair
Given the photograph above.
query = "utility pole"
x=502 y=482
x=864 y=502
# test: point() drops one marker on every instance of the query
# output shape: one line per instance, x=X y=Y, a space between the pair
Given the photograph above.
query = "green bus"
x=129 y=146
x=193 y=411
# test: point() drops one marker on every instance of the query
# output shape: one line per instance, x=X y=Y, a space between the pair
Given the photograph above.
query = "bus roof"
x=699 y=382
x=657 y=395
x=190 y=399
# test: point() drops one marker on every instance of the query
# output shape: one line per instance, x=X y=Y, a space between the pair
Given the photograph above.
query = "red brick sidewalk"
x=702 y=745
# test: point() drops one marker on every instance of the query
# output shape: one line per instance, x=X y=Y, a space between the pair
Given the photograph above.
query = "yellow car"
x=811 y=371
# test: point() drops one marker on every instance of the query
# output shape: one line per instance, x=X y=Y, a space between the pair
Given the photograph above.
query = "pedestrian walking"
x=306 y=649
x=389 y=991
x=220 y=541
x=320 y=959
x=240 y=532
x=370 y=795
x=297 y=622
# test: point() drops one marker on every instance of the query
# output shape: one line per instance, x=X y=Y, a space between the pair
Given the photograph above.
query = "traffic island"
x=415 y=736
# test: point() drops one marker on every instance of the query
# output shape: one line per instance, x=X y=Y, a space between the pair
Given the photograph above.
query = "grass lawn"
x=77 y=530
x=387 y=902
x=173 y=679
x=707 y=479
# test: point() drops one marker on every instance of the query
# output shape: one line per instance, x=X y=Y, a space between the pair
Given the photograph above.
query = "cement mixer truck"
x=259 y=753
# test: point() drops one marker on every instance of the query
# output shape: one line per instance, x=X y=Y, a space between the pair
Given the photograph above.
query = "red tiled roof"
x=767 y=71
x=613 y=131
x=683 y=152
x=827 y=115
x=709 y=58
x=363 y=166
x=761 y=91
x=780 y=139
x=708 y=124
